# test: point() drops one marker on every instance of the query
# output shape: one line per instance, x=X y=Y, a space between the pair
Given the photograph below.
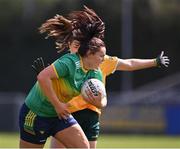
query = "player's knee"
x=85 y=144
x=81 y=143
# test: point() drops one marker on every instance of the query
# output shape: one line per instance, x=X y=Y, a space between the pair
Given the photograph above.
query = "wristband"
x=158 y=62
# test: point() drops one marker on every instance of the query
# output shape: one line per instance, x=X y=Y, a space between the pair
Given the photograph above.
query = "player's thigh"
x=73 y=137
x=54 y=143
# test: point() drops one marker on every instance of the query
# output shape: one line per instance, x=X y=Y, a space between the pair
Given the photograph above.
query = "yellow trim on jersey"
x=55 y=71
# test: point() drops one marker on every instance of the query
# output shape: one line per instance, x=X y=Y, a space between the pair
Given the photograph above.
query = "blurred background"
x=140 y=102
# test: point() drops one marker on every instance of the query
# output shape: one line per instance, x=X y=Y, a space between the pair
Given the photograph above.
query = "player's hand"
x=162 y=60
x=95 y=100
x=62 y=110
x=38 y=65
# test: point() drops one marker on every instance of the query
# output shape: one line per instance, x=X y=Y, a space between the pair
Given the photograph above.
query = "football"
x=95 y=86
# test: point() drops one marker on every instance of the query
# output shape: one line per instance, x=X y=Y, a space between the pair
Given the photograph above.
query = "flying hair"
x=80 y=25
x=86 y=25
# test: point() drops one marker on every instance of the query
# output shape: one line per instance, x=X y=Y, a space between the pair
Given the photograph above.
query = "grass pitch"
x=10 y=140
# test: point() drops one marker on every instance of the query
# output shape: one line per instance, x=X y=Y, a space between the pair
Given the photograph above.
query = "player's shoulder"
x=108 y=58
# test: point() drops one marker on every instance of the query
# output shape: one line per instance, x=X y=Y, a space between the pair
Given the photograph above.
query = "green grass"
x=138 y=141
x=10 y=140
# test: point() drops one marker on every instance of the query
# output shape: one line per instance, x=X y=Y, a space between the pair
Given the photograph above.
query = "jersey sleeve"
x=109 y=65
x=62 y=66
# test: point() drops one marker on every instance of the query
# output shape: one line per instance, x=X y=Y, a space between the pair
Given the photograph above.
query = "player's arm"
x=45 y=81
x=45 y=77
x=137 y=64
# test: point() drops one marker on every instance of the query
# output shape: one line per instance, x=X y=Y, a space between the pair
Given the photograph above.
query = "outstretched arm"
x=137 y=64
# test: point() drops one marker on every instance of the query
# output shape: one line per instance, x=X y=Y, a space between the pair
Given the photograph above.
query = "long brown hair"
x=80 y=25
x=59 y=28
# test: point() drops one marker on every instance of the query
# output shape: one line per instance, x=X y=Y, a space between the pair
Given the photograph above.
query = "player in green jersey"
x=45 y=111
x=86 y=114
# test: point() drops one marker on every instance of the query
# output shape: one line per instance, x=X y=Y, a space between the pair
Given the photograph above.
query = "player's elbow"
x=125 y=65
x=132 y=65
x=41 y=76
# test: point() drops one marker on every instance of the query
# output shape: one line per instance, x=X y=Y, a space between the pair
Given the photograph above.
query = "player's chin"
x=96 y=67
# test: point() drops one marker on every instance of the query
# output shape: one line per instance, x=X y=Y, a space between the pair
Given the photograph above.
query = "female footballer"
x=44 y=112
x=87 y=114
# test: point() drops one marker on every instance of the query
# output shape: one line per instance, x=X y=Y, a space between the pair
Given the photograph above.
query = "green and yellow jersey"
x=71 y=75
x=107 y=67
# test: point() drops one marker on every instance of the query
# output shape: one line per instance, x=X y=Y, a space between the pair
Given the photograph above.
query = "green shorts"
x=89 y=122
